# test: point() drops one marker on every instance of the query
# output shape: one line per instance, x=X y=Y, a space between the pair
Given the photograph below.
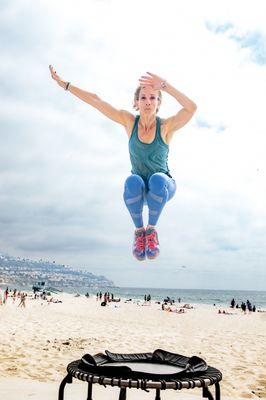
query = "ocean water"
x=198 y=296
x=218 y=297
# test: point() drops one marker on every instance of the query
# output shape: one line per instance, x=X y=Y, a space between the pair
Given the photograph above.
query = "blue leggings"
x=161 y=188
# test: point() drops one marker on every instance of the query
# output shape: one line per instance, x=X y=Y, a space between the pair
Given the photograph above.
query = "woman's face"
x=148 y=101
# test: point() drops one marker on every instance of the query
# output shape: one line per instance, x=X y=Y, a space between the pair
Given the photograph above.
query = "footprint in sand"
x=247 y=395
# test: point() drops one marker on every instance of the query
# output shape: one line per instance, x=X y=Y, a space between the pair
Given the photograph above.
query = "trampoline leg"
x=207 y=393
x=123 y=394
x=158 y=396
x=89 y=391
x=217 y=391
x=67 y=379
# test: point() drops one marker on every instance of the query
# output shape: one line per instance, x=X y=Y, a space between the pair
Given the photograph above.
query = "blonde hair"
x=136 y=97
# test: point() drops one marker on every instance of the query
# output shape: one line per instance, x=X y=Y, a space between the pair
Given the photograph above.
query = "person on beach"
x=14 y=295
x=22 y=300
x=149 y=136
x=6 y=295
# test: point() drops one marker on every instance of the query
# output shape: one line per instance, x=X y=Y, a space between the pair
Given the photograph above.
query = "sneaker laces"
x=151 y=240
x=140 y=242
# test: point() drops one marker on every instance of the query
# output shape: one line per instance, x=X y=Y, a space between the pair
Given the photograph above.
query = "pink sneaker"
x=139 y=245
x=152 y=244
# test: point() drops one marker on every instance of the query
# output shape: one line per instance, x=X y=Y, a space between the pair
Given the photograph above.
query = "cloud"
x=254 y=41
x=63 y=164
x=201 y=123
x=216 y=28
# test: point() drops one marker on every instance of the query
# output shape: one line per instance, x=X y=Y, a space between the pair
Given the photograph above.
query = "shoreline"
x=185 y=295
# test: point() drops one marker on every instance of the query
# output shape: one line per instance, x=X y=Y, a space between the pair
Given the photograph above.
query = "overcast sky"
x=63 y=164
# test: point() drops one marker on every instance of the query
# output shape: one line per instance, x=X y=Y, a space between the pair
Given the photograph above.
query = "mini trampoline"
x=160 y=370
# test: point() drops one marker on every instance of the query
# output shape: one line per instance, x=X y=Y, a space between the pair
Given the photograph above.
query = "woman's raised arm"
x=120 y=116
x=177 y=121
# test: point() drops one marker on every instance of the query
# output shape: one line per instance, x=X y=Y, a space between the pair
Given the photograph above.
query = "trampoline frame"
x=211 y=376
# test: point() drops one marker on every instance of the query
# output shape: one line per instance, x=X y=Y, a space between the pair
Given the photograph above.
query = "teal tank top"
x=146 y=159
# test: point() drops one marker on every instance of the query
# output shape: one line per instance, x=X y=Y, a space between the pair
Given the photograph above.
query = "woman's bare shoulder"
x=129 y=119
x=164 y=130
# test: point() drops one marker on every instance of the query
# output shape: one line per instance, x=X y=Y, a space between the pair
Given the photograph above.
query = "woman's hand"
x=56 y=77
x=153 y=80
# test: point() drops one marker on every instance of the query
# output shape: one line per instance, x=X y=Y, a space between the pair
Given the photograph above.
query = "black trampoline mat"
x=151 y=368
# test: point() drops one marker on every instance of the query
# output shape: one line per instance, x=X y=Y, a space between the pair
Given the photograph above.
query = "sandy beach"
x=39 y=341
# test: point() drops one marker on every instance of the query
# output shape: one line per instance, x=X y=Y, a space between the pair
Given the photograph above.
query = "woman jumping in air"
x=149 y=137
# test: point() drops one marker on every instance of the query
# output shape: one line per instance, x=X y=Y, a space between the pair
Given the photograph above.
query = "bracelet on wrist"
x=67 y=85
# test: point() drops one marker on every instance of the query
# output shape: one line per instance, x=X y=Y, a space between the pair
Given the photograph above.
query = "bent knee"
x=157 y=182
x=134 y=183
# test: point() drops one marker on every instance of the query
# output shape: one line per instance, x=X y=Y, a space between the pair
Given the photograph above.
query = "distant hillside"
x=26 y=272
